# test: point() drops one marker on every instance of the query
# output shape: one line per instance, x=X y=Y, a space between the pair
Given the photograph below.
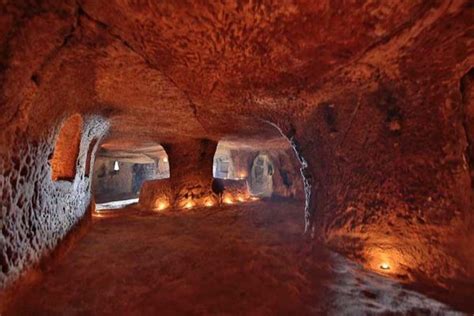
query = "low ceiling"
x=146 y=153
x=190 y=68
x=163 y=71
x=133 y=153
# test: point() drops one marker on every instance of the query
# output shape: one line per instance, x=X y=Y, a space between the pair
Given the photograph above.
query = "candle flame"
x=384 y=266
x=162 y=205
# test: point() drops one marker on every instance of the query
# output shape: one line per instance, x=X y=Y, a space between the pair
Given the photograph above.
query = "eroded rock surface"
x=37 y=211
x=369 y=94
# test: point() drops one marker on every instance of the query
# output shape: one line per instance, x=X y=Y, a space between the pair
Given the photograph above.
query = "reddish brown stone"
x=375 y=97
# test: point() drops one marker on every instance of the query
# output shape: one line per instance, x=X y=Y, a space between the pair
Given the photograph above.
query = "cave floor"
x=247 y=259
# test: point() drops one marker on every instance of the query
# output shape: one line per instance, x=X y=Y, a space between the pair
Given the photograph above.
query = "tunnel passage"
x=204 y=173
x=260 y=170
x=384 y=131
x=119 y=173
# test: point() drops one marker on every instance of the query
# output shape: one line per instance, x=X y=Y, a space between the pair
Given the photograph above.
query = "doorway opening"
x=261 y=170
x=119 y=174
x=261 y=176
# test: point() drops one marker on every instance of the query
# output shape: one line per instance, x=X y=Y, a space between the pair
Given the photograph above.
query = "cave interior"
x=240 y=157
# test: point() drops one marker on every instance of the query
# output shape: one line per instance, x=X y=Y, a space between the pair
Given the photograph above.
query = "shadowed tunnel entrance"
x=119 y=173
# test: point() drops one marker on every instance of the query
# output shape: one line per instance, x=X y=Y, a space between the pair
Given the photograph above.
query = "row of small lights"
x=227 y=200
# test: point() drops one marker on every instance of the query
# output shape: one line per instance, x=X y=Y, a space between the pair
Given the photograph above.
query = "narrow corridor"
x=248 y=259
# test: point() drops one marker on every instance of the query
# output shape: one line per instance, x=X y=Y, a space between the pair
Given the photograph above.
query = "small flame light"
x=384 y=266
x=162 y=205
x=209 y=203
x=240 y=198
x=189 y=204
x=228 y=200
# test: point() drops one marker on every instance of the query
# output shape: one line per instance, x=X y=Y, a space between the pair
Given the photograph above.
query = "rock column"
x=190 y=183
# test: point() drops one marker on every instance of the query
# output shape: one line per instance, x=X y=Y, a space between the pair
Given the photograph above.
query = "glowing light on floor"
x=209 y=203
x=189 y=205
x=228 y=200
x=97 y=214
x=115 y=204
x=384 y=266
x=162 y=206
x=240 y=198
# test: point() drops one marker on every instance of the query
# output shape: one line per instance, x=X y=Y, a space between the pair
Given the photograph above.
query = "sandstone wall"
x=287 y=179
x=390 y=180
x=370 y=100
x=110 y=185
x=156 y=195
x=37 y=211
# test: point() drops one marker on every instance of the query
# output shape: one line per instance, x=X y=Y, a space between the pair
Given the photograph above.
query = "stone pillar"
x=190 y=182
x=191 y=172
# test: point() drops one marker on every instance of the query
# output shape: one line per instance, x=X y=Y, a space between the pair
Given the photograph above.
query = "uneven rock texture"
x=287 y=180
x=110 y=185
x=191 y=171
x=114 y=185
x=66 y=149
x=467 y=111
x=37 y=212
x=369 y=94
x=231 y=191
x=190 y=176
x=242 y=161
x=156 y=194
x=228 y=260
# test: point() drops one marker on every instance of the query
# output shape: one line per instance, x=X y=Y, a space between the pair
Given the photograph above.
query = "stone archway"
x=261 y=176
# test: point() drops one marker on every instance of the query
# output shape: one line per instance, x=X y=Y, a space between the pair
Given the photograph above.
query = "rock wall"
x=66 y=149
x=230 y=190
x=287 y=179
x=109 y=185
x=156 y=195
x=370 y=97
x=242 y=161
x=389 y=176
x=37 y=211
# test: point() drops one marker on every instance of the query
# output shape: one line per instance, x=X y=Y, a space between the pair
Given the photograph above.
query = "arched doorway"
x=261 y=176
x=120 y=171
